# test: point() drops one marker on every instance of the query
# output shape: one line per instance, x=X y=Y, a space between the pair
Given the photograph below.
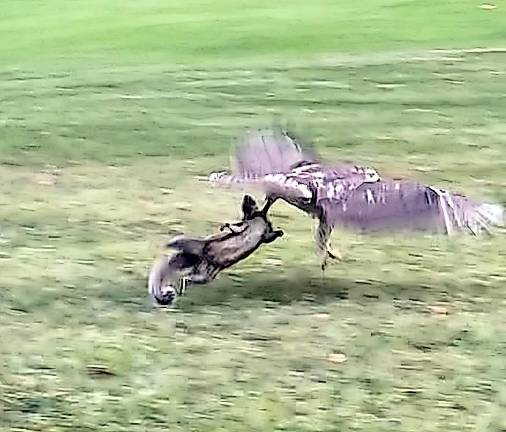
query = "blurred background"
x=110 y=109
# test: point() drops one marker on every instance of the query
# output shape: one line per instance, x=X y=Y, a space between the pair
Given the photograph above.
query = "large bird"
x=354 y=197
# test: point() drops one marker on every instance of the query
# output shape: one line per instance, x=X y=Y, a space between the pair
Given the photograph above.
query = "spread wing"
x=409 y=206
x=312 y=182
x=281 y=185
x=269 y=151
x=264 y=159
x=275 y=162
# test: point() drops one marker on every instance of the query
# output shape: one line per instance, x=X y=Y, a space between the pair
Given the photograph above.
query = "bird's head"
x=215 y=177
x=371 y=175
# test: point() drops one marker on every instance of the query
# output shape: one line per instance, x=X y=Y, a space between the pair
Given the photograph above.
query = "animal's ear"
x=249 y=206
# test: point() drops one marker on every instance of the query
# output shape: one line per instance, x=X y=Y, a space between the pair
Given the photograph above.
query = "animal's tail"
x=160 y=272
x=165 y=275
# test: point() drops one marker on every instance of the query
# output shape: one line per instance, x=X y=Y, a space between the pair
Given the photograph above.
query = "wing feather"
x=281 y=185
x=273 y=161
x=268 y=151
x=402 y=205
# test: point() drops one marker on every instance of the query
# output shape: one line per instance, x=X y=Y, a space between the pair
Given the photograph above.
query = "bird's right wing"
x=275 y=162
x=264 y=159
x=281 y=185
x=401 y=205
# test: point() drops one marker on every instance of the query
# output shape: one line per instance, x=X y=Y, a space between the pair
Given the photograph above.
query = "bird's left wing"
x=401 y=205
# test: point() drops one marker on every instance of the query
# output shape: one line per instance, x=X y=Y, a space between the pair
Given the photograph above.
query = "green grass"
x=109 y=111
x=234 y=31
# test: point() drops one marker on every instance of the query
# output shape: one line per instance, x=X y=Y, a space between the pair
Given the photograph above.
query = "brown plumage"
x=350 y=196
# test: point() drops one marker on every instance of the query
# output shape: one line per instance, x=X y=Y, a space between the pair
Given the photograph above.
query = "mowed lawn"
x=109 y=113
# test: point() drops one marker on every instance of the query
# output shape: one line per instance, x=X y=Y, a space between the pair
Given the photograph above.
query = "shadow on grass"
x=285 y=288
x=240 y=290
x=294 y=287
x=301 y=287
x=131 y=294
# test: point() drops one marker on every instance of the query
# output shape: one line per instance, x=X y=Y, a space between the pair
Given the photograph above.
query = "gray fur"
x=199 y=261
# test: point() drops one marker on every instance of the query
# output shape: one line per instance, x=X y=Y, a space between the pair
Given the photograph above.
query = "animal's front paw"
x=269 y=238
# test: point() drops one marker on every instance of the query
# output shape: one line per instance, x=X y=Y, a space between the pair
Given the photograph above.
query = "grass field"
x=109 y=111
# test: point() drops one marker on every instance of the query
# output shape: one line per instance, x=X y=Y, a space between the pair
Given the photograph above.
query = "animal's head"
x=249 y=208
x=250 y=211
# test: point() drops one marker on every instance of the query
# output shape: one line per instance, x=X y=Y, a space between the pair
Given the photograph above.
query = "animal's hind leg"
x=193 y=278
x=323 y=248
x=269 y=238
x=181 y=286
x=186 y=281
x=200 y=278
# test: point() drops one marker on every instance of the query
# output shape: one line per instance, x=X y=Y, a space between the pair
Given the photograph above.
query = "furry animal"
x=199 y=261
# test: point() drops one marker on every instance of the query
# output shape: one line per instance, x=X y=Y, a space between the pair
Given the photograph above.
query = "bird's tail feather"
x=493 y=213
x=462 y=214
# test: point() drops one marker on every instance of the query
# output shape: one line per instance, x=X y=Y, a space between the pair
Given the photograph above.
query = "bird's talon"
x=334 y=255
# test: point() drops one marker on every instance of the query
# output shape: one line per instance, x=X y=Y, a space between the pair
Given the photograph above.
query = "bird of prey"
x=350 y=196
